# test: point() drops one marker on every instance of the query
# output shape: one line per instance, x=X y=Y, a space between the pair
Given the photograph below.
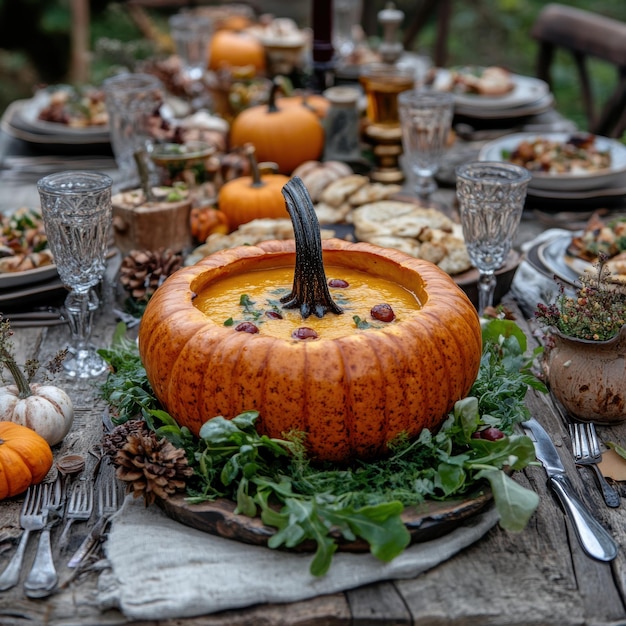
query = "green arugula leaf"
x=380 y=525
x=466 y=410
x=450 y=478
x=514 y=503
x=245 y=502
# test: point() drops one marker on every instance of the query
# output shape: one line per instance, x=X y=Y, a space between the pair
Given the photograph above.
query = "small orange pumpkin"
x=314 y=102
x=25 y=459
x=231 y=49
x=206 y=220
x=351 y=395
x=252 y=197
x=286 y=135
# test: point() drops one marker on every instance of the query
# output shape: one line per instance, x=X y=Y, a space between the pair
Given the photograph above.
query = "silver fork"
x=31 y=519
x=108 y=503
x=43 y=578
x=586 y=450
x=79 y=508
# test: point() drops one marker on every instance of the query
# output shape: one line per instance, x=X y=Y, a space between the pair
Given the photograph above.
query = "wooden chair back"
x=585 y=35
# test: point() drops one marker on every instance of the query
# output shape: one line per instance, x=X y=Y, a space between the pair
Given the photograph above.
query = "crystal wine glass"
x=425 y=121
x=76 y=210
x=491 y=200
x=133 y=103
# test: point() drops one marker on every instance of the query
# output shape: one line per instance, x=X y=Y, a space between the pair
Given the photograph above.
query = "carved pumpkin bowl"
x=350 y=394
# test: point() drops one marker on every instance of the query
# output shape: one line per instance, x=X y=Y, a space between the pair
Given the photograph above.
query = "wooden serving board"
x=424 y=522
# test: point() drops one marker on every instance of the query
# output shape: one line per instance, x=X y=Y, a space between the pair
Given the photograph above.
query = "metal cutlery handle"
x=593 y=537
x=11 y=575
x=63 y=540
x=42 y=578
x=610 y=495
x=88 y=542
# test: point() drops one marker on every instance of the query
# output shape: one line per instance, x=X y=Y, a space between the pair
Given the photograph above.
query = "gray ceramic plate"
x=568 y=182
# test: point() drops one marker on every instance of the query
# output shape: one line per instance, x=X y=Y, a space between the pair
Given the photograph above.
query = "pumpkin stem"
x=310 y=290
x=255 y=172
x=278 y=84
x=19 y=378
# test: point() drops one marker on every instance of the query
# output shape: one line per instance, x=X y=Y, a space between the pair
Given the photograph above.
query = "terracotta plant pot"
x=588 y=377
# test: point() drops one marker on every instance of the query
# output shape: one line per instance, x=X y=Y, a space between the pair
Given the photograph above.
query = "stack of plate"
x=579 y=188
x=21 y=120
x=529 y=96
x=19 y=289
x=550 y=257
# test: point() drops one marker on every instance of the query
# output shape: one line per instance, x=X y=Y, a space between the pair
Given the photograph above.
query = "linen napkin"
x=531 y=286
x=161 y=569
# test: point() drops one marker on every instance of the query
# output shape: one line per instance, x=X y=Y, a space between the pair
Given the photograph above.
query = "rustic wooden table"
x=538 y=577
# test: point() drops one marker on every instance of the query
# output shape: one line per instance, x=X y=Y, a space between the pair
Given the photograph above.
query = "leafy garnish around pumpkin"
x=126 y=388
x=504 y=375
x=274 y=478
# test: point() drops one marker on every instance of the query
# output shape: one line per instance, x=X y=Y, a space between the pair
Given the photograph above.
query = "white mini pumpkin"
x=48 y=410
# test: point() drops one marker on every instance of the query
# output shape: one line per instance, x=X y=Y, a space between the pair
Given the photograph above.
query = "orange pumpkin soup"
x=251 y=303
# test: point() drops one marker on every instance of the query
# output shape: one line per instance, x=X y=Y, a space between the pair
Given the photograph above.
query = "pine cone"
x=142 y=271
x=113 y=441
x=151 y=466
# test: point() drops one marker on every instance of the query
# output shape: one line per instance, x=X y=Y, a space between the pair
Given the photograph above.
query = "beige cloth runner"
x=161 y=569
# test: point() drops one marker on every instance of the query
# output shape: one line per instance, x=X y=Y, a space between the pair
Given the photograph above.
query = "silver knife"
x=593 y=537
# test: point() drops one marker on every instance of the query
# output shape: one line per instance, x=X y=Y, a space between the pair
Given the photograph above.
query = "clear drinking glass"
x=382 y=83
x=425 y=121
x=192 y=35
x=131 y=100
x=491 y=200
x=76 y=210
x=346 y=17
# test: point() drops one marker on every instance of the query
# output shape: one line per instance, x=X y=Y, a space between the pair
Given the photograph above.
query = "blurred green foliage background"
x=35 y=40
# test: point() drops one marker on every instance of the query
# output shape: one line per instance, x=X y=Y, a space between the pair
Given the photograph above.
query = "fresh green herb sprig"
x=505 y=375
x=126 y=388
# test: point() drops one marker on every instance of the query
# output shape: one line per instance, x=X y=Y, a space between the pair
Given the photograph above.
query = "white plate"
x=14 y=279
x=612 y=189
x=526 y=90
x=533 y=108
x=15 y=125
x=29 y=115
x=553 y=254
x=492 y=151
x=21 y=296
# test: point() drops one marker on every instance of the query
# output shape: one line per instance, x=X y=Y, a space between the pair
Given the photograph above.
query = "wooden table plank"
x=378 y=605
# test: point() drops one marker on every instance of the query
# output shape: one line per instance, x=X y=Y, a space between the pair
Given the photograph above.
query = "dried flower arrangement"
x=596 y=312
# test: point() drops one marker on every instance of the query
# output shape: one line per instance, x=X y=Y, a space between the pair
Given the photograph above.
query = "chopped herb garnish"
x=361 y=324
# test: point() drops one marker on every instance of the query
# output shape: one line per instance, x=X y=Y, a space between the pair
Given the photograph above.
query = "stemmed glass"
x=491 y=200
x=346 y=16
x=132 y=101
x=76 y=211
x=425 y=121
x=192 y=35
